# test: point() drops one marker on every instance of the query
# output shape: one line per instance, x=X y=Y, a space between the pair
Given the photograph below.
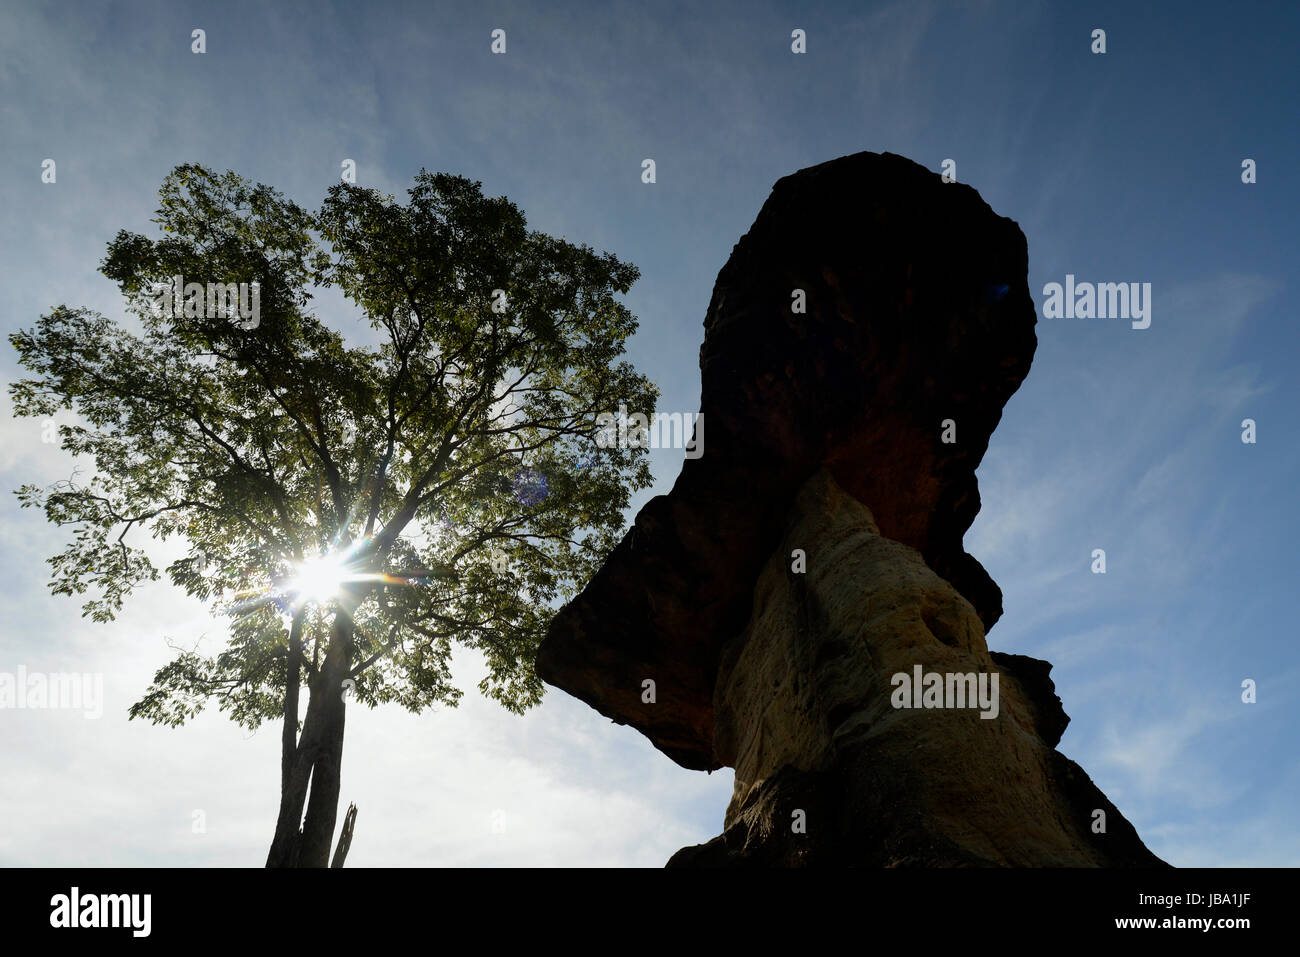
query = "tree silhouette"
x=354 y=509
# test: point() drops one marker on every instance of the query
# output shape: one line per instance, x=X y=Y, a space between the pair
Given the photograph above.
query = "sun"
x=320 y=579
x=323 y=578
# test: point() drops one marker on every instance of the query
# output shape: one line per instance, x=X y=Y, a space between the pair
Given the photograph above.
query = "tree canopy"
x=446 y=467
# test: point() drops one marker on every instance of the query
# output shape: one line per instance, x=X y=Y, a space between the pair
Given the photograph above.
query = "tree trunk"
x=345 y=836
x=317 y=760
x=295 y=764
x=323 y=805
x=293 y=677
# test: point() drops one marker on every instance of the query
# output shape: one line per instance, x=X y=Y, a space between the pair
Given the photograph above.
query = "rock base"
x=831 y=770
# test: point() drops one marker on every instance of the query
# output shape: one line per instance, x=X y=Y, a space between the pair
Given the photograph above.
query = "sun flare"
x=326 y=578
x=319 y=579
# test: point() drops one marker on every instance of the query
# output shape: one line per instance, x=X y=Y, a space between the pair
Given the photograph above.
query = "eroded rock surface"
x=917 y=311
x=860 y=344
x=804 y=711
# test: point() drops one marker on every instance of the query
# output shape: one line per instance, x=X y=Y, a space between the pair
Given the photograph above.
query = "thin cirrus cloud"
x=1121 y=439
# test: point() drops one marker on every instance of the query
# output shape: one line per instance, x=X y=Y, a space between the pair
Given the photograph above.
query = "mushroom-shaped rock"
x=870 y=313
x=860 y=344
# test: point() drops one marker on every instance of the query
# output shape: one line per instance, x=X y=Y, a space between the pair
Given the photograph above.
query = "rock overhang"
x=917 y=313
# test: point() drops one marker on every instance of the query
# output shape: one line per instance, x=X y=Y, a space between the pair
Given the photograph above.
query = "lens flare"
x=320 y=579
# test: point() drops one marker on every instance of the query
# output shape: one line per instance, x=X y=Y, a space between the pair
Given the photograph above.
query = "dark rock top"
x=917 y=311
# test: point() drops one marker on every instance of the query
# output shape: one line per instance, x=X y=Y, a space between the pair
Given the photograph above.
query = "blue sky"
x=1118 y=167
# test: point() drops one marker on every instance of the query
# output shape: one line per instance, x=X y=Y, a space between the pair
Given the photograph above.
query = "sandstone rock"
x=826 y=432
x=803 y=713
x=917 y=311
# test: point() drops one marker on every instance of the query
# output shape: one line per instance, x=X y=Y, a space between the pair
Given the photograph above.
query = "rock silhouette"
x=860 y=345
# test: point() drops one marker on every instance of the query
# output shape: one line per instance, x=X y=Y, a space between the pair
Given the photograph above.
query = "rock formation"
x=860 y=345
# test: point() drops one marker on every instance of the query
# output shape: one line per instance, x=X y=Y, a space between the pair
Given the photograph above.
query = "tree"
x=355 y=509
